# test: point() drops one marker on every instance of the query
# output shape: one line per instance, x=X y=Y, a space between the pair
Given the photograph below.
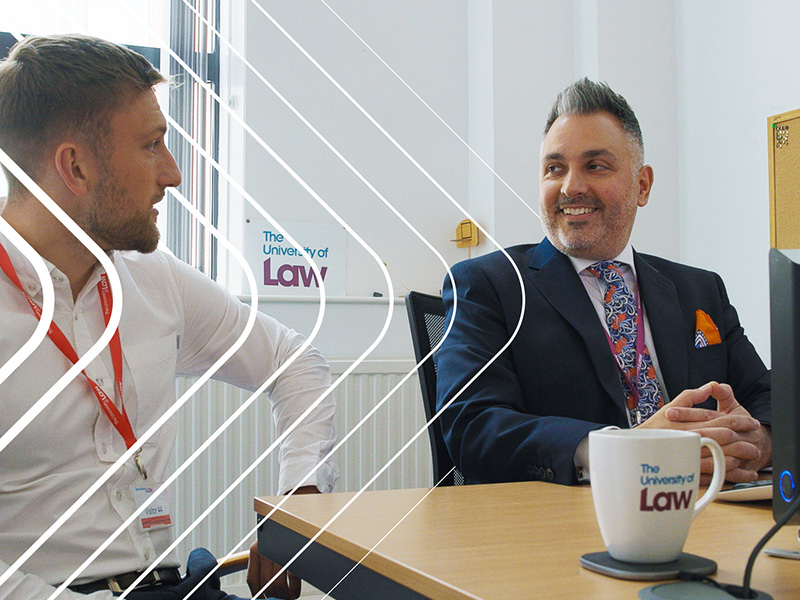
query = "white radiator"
x=361 y=456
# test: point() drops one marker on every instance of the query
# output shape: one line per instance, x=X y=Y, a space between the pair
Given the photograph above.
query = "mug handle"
x=717 y=479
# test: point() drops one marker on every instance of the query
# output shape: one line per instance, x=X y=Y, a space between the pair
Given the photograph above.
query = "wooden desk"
x=494 y=542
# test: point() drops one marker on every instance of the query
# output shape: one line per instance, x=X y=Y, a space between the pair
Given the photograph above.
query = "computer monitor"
x=784 y=301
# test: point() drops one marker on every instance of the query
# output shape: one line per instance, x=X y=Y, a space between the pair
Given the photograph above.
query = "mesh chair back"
x=426 y=316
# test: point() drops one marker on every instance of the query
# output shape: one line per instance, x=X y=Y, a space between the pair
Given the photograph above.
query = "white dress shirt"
x=174 y=321
x=595 y=290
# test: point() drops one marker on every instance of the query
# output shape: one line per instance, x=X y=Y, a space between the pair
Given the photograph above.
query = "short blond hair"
x=52 y=86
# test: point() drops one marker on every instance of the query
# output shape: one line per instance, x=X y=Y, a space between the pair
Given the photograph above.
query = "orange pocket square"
x=706 y=333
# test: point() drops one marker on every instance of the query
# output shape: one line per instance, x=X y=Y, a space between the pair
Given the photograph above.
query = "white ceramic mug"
x=645 y=486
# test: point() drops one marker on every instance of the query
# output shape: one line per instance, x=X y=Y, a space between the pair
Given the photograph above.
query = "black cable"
x=744 y=590
x=748 y=571
x=736 y=591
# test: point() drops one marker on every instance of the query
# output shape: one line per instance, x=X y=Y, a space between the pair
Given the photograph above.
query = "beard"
x=114 y=221
x=595 y=241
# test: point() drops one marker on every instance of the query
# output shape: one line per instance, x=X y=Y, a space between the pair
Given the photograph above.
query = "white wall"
x=540 y=48
x=701 y=75
x=426 y=44
x=737 y=67
x=350 y=327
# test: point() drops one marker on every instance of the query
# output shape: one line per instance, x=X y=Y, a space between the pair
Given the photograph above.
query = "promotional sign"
x=279 y=267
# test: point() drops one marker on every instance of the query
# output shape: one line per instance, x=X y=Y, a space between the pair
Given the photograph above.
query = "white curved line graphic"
x=102 y=342
x=48 y=299
x=430 y=108
x=319 y=200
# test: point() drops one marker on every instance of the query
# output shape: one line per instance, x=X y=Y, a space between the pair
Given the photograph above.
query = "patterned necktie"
x=621 y=317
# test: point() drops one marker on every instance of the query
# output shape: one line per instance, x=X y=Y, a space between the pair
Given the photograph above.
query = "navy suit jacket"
x=520 y=415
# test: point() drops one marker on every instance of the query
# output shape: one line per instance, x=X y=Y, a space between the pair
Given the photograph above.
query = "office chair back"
x=426 y=316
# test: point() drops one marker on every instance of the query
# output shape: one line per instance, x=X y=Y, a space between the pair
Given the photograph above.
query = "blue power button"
x=787 y=486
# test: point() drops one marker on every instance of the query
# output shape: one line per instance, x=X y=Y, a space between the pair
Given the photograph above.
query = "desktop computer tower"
x=783 y=135
x=784 y=277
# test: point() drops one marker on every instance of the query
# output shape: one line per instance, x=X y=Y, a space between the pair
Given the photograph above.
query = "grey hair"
x=585 y=97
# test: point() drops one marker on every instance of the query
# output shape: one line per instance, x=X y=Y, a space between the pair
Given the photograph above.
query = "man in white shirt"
x=80 y=116
x=550 y=341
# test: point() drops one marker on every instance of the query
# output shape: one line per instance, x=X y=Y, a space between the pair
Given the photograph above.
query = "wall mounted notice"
x=280 y=269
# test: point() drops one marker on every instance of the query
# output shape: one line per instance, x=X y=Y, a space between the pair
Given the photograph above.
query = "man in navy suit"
x=529 y=367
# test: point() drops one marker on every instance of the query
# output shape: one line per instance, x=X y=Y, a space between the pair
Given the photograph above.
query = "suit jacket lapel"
x=660 y=301
x=554 y=276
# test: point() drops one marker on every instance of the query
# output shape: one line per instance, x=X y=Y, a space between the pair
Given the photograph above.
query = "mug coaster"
x=601 y=562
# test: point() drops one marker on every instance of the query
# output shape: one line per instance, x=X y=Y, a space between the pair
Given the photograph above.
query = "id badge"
x=156 y=515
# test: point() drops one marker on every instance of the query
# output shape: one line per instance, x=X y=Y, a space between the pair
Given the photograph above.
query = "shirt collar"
x=625 y=257
x=22 y=265
x=28 y=276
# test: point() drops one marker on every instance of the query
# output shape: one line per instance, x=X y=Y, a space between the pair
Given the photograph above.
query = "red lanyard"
x=118 y=417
